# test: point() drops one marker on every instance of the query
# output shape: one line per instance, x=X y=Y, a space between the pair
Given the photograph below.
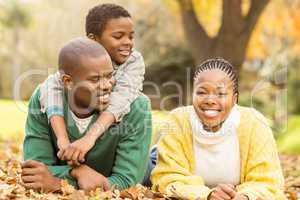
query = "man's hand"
x=222 y=192
x=74 y=154
x=89 y=179
x=35 y=175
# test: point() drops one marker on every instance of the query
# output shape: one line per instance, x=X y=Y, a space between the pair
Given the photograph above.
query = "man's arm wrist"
x=73 y=173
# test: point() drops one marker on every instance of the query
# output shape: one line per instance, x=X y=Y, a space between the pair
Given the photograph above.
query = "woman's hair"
x=99 y=15
x=221 y=64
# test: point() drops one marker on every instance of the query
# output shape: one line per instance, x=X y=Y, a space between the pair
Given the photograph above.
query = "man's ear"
x=67 y=81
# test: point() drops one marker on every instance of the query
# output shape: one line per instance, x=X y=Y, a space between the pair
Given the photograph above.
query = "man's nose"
x=106 y=85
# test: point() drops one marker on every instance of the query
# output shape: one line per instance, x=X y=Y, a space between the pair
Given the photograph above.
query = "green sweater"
x=121 y=154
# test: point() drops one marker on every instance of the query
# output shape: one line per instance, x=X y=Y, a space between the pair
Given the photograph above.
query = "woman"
x=216 y=149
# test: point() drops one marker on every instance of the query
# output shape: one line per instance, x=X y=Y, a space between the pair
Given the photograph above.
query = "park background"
x=260 y=37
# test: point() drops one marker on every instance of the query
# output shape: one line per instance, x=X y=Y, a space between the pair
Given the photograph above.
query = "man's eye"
x=110 y=75
x=95 y=79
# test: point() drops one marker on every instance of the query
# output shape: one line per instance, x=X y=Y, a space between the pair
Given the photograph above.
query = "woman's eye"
x=200 y=93
x=222 y=94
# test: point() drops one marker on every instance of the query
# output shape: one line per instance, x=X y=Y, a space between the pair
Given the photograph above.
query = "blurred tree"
x=14 y=16
x=233 y=36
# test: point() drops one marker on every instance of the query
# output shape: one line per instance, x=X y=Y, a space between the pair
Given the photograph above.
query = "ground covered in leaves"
x=11 y=184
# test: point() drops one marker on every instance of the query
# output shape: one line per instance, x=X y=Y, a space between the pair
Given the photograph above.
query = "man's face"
x=92 y=84
x=117 y=38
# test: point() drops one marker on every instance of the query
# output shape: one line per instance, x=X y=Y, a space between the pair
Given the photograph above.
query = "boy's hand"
x=62 y=144
x=75 y=152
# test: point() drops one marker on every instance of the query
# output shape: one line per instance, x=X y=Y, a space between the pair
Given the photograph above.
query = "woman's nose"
x=211 y=99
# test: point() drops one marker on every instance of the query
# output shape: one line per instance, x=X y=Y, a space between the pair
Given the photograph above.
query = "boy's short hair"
x=99 y=15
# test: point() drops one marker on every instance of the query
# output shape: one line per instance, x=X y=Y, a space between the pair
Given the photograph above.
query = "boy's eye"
x=118 y=36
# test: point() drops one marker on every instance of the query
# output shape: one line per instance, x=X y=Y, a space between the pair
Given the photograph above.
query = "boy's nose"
x=128 y=41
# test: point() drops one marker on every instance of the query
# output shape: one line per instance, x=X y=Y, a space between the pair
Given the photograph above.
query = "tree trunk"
x=16 y=62
x=234 y=34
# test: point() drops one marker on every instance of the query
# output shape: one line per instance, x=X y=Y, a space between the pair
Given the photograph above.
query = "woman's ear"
x=67 y=81
x=235 y=98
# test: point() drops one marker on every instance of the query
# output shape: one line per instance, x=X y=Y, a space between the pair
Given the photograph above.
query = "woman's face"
x=213 y=98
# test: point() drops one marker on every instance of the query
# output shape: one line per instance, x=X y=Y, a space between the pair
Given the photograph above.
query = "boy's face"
x=213 y=98
x=91 y=84
x=117 y=38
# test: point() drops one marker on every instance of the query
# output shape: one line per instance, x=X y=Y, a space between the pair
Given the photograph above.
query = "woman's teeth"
x=211 y=113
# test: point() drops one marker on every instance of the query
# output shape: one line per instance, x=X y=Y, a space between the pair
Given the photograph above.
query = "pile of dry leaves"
x=11 y=185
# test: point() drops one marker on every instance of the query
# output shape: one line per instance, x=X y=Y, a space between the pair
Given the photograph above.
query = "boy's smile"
x=117 y=38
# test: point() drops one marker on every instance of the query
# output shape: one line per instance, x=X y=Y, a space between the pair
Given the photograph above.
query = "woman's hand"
x=222 y=192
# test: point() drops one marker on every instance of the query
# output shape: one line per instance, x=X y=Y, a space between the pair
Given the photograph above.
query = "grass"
x=13 y=117
x=289 y=141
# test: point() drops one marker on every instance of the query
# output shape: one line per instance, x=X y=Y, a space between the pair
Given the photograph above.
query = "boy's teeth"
x=211 y=113
x=125 y=53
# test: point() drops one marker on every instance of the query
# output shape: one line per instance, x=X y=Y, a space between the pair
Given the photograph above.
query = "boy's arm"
x=59 y=128
x=38 y=144
x=51 y=100
x=129 y=82
x=130 y=77
x=132 y=151
x=51 y=96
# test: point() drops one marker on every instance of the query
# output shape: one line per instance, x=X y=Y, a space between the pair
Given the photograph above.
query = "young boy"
x=111 y=26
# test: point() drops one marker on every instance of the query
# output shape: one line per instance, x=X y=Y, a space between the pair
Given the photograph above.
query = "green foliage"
x=289 y=140
x=14 y=14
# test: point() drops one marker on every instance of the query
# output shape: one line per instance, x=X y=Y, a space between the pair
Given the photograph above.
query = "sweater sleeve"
x=130 y=77
x=38 y=144
x=173 y=174
x=263 y=175
x=51 y=96
x=132 y=153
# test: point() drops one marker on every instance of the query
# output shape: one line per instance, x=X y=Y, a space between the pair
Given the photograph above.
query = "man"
x=118 y=158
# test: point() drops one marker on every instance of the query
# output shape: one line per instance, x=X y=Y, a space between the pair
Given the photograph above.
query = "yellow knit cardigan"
x=261 y=175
